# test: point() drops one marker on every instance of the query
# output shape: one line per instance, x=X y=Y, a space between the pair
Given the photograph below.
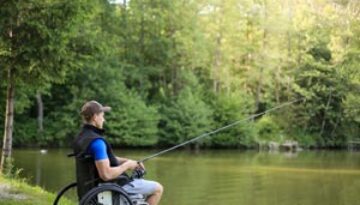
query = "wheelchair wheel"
x=62 y=192
x=106 y=194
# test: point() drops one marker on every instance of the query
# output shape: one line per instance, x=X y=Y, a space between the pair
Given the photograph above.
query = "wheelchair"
x=106 y=193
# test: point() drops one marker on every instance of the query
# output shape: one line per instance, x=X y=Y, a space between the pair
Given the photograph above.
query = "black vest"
x=87 y=175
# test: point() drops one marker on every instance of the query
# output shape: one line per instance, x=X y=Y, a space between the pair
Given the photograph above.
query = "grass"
x=18 y=192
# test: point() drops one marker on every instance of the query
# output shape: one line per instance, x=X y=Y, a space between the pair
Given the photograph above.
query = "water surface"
x=229 y=177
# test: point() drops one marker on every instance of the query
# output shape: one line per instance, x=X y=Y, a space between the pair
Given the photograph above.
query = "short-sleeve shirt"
x=98 y=149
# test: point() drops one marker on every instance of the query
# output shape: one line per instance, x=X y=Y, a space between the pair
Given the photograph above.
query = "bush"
x=229 y=109
x=268 y=130
x=185 y=117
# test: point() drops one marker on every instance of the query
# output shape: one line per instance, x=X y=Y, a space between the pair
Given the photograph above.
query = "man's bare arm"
x=106 y=172
x=121 y=159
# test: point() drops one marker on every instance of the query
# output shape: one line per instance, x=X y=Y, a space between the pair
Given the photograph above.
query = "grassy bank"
x=18 y=192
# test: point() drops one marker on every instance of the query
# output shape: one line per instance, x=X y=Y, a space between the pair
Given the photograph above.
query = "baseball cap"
x=91 y=108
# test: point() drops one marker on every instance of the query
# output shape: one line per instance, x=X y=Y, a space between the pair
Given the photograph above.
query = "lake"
x=231 y=177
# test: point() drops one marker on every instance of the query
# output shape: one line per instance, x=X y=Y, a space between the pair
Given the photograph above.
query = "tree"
x=229 y=109
x=37 y=36
x=185 y=116
x=149 y=59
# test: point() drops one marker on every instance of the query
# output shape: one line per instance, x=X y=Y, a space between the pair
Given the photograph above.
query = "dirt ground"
x=7 y=192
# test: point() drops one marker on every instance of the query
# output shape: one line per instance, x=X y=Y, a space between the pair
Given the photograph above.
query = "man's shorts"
x=140 y=186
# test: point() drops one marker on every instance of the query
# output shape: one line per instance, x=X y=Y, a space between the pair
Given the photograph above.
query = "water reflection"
x=224 y=176
x=38 y=169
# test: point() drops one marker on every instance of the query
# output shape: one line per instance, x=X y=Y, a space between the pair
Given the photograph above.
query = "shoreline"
x=15 y=191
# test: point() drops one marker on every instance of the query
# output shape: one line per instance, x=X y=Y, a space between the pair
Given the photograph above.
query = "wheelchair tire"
x=95 y=195
x=62 y=192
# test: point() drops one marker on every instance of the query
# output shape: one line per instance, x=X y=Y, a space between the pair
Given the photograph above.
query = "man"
x=95 y=158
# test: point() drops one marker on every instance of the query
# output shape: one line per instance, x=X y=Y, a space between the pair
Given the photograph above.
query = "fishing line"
x=220 y=129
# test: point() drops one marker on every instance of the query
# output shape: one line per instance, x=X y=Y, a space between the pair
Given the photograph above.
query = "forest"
x=173 y=70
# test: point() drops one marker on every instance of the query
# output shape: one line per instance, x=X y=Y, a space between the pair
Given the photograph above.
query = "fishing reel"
x=138 y=173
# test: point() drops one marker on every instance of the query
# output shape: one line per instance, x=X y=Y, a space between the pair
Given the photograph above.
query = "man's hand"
x=141 y=166
x=131 y=164
x=106 y=172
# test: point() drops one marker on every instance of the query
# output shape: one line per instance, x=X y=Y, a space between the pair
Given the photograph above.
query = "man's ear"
x=93 y=118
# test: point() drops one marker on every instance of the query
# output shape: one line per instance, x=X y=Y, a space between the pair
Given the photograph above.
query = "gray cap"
x=91 y=108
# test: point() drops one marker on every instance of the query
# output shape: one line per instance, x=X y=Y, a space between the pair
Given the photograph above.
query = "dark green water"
x=225 y=176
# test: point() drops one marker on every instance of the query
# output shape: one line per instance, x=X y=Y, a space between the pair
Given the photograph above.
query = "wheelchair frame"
x=110 y=193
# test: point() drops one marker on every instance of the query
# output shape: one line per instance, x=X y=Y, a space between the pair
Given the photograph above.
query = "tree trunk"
x=125 y=28
x=9 y=120
x=288 y=31
x=324 y=118
x=141 y=44
x=258 y=90
x=218 y=54
x=40 y=113
x=261 y=71
x=336 y=125
x=217 y=63
x=299 y=56
x=174 y=68
x=277 y=84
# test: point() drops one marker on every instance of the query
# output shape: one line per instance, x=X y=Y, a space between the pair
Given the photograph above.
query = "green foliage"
x=34 y=40
x=351 y=123
x=39 y=38
x=184 y=118
x=324 y=87
x=305 y=139
x=9 y=169
x=132 y=122
x=268 y=130
x=229 y=109
x=172 y=70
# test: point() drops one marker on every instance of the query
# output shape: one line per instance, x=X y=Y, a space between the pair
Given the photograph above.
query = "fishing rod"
x=220 y=129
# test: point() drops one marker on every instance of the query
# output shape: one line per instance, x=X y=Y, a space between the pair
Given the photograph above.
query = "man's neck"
x=92 y=124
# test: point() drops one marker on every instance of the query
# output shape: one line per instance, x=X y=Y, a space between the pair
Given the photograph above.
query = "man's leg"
x=154 y=198
x=150 y=189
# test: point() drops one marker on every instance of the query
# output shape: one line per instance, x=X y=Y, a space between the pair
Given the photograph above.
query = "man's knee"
x=159 y=188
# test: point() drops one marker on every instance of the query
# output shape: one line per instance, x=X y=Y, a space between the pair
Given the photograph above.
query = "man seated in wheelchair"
x=96 y=163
